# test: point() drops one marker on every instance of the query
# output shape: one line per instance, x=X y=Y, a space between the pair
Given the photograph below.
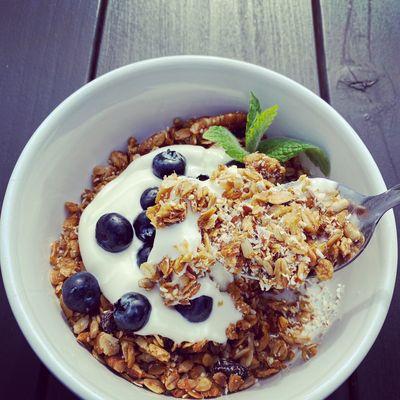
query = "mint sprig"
x=283 y=149
x=319 y=158
x=228 y=141
x=254 y=110
x=260 y=124
x=258 y=121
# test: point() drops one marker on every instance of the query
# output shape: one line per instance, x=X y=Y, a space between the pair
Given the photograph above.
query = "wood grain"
x=363 y=65
x=273 y=33
x=363 y=71
x=45 y=50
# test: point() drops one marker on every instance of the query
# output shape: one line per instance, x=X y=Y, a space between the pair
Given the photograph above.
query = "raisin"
x=168 y=344
x=230 y=368
x=107 y=322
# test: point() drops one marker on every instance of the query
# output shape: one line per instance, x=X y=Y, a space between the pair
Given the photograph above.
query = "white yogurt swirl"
x=118 y=273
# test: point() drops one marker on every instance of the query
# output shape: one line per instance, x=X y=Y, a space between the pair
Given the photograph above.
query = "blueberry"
x=81 y=293
x=198 y=310
x=131 y=312
x=230 y=368
x=167 y=162
x=144 y=229
x=203 y=177
x=234 y=162
x=114 y=232
x=143 y=253
x=148 y=197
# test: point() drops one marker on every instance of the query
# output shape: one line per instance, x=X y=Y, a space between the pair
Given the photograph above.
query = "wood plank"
x=363 y=71
x=273 y=33
x=362 y=57
x=45 y=50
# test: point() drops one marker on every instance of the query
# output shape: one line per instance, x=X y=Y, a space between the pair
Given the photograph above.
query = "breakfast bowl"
x=137 y=100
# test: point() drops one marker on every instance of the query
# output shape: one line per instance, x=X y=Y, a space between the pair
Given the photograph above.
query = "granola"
x=277 y=234
x=256 y=204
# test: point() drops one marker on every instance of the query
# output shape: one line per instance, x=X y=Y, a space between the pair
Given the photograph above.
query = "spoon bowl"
x=366 y=211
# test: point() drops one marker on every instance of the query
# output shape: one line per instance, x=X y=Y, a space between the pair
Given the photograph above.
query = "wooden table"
x=345 y=51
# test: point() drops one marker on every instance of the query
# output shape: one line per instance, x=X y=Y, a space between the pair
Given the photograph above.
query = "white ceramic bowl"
x=139 y=99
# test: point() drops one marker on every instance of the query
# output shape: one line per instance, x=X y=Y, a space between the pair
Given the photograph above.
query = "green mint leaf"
x=260 y=124
x=254 y=110
x=319 y=158
x=229 y=142
x=283 y=149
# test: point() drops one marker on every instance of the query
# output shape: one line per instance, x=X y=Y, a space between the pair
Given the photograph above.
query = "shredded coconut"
x=325 y=304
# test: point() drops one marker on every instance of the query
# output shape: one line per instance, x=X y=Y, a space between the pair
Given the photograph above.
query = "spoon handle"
x=383 y=202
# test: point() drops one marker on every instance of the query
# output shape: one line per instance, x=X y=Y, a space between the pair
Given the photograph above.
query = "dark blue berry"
x=203 y=177
x=114 y=232
x=230 y=368
x=234 y=162
x=131 y=312
x=168 y=162
x=143 y=253
x=198 y=310
x=144 y=229
x=81 y=293
x=148 y=197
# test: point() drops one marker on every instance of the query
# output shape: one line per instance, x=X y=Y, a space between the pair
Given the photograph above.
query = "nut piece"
x=128 y=352
x=106 y=344
x=158 y=353
x=339 y=205
x=247 y=250
x=234 y=383
x=94 y=328
x=351 y=232
x=280 y=197
x=309 y=351
x=119 y=159
x=81 y=324
x=324 y=270
x=171 y=380
x=148 y=270
x=116 y=363
x=203 y=384
x=154 y=385
x=185 y=366
x=220 y=379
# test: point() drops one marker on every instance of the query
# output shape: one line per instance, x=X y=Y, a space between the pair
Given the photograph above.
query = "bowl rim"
x=53 y=360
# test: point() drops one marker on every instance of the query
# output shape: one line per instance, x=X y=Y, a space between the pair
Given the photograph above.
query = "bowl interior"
x=138 y=100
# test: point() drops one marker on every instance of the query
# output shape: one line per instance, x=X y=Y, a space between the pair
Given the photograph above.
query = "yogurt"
x=119 y=273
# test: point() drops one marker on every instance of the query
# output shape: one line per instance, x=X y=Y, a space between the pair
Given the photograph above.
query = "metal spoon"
x=368 y=210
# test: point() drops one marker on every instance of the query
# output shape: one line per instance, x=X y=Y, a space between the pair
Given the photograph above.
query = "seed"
x=154 y=385
x=203 y=384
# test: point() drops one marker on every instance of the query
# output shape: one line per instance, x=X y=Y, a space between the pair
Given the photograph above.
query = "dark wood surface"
x=45 y=53
x=363 y=71
x=346 y=51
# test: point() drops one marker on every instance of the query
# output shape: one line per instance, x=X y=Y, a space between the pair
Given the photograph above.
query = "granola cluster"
x=276 y=234
x=271 y=332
